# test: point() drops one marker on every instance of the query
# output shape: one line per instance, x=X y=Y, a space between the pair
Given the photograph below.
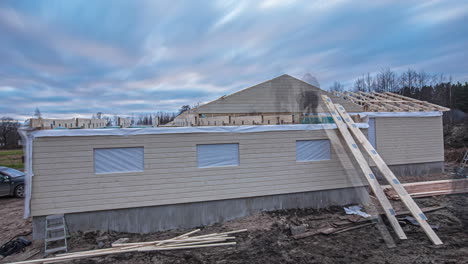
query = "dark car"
x=11 y=182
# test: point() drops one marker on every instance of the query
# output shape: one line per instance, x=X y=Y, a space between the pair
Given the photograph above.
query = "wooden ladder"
x=369 y=175
x=345 y=122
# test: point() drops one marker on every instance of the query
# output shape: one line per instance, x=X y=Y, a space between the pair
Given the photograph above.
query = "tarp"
x=27 y=139
x=400 y=114
x=313 y=150
x=115 y=160
x=182 y=130
x=217 y=155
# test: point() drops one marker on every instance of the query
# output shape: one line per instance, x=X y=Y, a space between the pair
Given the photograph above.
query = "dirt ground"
x=269 y=240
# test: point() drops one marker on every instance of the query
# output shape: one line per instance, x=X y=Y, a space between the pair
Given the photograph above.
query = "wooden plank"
x=365 y=101
x=399 y=103
x=374 y=100
x=369 y=175
x=429 y=188
x=389 y=176
x=438 y=107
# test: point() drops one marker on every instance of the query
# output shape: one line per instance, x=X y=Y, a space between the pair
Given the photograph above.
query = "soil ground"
x=268 y=239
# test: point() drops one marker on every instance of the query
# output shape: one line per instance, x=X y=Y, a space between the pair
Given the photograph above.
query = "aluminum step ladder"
x=463 y=164
x=55 y=234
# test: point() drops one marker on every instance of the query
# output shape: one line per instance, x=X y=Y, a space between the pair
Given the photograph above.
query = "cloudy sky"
x=74 y=58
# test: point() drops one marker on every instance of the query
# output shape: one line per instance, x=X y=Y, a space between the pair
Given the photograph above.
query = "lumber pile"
x=184 y=241
x=338 y=227
x=430 y=188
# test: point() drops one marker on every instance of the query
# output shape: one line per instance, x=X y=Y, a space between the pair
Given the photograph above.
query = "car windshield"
x=12 y=172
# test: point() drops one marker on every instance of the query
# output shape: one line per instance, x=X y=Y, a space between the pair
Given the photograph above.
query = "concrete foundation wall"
x=416 y=169
x=190 y=215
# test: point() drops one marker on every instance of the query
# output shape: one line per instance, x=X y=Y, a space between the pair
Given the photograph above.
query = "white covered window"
x=217 y=155
x=313 y=150
x=115 y=160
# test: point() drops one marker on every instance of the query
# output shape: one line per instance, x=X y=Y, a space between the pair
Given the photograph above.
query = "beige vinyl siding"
x=65 y=181
x=406 y=140
x=274 y=96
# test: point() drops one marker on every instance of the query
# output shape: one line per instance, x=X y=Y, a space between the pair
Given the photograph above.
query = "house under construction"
x=271 y=146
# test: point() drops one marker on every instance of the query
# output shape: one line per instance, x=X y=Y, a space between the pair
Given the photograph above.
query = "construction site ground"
x=269 y=239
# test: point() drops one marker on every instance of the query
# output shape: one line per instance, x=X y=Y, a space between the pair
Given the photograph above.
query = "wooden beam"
x=429 y=188
x=399 y=103
x=368 y=174
x=366 y=102
x=415 y=104
x=392 y=107
x=438 y=107
x=389 y=176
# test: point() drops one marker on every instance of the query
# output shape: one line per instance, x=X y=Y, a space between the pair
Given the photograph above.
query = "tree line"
x=9 y=136
x=434 y=88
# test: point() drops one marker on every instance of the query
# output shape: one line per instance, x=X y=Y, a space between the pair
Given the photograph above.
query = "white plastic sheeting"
x=27 y=147
x=400 y=114
x=313 y=150
x=371 y=132
x=181 y=130
x=115 y=160
x=217 y=155
x=356 y=210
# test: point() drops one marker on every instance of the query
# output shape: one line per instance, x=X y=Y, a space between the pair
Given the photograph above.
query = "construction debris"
x=356 y=210
x=430 y=188
x=296 y=230
x=335 y=230
x=13 y=246
x=179 y=242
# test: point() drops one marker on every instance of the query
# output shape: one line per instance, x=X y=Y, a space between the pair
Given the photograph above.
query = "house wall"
x=64 y=180
x=67 y=123
x=91 y=123
x=43 y=123
x=279 y=95
x=410 y=140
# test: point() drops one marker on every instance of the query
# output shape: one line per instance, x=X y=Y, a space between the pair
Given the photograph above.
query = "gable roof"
x=282 y=94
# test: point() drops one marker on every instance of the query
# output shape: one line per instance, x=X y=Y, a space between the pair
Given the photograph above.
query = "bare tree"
x=99 y=115
x=422 y=79
x=386 y=81
x=184 y=108
x=369 y=82
x=408 y=80
x=366 y=83
x=336 y=87
x=359 y=85
x=9 y=136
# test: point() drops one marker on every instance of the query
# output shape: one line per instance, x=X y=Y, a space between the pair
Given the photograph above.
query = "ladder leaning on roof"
x=369 y=175
x=463 y=165
x=342 y=119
